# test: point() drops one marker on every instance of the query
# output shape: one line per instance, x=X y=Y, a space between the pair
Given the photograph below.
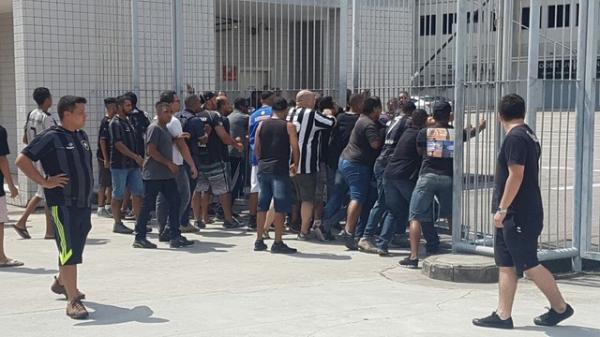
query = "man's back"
x=340 y=135
x=37 y=122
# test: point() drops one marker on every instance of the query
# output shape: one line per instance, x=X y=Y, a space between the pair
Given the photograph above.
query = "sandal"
x=23 y=233
x=11 y=263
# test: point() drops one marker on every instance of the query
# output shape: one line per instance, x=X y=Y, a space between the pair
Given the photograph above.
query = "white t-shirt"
x=176 y=130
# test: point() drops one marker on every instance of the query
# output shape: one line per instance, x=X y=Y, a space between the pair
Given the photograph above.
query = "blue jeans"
x=152 y=189
x=397 y=199
x=276 y=187
x=429 y=186
x=366 y=208
x=379 y=212
x=130 y=178
x=336 y=199
x=182 y=180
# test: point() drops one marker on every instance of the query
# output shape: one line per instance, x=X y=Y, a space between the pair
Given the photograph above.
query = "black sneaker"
x=552 y=318
x=121 y=229
x=164 y=237
x=233 y=223
x=144 y=243
x=148 y=229
x=348 y=239
x=282 y=248
x=259 y=246
x=200 y=224
x=494 y=321
x=409 y=263
x=383 y=251
x=180 y=242
x=328 y=235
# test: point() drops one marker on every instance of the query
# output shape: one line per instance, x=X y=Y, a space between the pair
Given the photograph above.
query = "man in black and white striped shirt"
x=309 y=123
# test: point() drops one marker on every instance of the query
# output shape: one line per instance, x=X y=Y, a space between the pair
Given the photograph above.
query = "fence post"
x=355 y=44
x=135 y=47
x=533 y=84
x=343 y=59
x=459 y=116
x=177 y=45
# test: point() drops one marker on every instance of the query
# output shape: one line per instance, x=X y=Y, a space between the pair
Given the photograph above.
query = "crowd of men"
x=361 y=174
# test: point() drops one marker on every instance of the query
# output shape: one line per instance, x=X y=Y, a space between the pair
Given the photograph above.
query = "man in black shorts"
x=66 y=158
x=519 y=220
x=103 y=155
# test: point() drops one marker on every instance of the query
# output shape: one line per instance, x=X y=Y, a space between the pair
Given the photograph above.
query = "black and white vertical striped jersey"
x=63 y=151
x=309 y=123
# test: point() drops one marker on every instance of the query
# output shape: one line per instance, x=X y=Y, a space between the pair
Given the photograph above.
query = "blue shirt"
x=257 y=116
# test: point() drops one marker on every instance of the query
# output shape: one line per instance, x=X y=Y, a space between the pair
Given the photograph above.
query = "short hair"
x=409 y=107
x=266 y=94
x=161 y=105
x=109 y=100
x=512 y=106
x=280 y=104
x=442 y=111
x=326 y=102
x=132 y=97
x=371 y=103
x=355 y=100
x=405 y=93
x=123 y=98
x=221 y=102
x=168 y=96
x=419 y=118
x=241 y=103
x=68 y=103
x=40 y=95
x=191 y=99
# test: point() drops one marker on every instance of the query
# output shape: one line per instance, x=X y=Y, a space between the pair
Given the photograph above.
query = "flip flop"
x=11 y=263
x=23 y=233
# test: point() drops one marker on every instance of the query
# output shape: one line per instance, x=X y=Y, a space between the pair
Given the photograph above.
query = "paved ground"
x=220 y=287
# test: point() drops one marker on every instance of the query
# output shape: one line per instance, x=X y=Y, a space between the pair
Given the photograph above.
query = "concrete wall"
x=7 y=86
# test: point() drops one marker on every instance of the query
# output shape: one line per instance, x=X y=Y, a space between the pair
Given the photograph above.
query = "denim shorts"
x=358 y=178
x=130 y=178
x=276 y=187
x=429 y=186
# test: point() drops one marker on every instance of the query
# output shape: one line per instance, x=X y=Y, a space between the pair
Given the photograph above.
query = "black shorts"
x=71 y=227
x=306 y=187
x=104 y=176
x=516 y=244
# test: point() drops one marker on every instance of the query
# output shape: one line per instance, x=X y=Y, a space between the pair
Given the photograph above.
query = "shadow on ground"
x=27 y=270
x=564 y=331
x=104 y=314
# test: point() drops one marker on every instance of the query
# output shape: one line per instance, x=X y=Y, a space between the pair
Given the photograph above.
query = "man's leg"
x=252 y=204
x=197 y=206
x=415 y=238
x=354 y=210
x=151 y=189
x=278 y=220
x=507 y=287
x=162 y=211
x=544 y=280
x=101 y=197
x=204 y=202
x=49 y=228
x=68 y=279
x=31 y=207
x=126 y=201
x=225 y=201
x=115 y=206
x=306 y=214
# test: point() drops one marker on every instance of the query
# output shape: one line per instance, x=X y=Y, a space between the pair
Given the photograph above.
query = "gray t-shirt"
x=238 y=122
x=162 y=139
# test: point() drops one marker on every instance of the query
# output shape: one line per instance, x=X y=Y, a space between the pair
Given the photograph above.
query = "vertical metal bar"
x=533 y=85
x=343 y=38
x=135 y=48
x=355 y=44
x=459 y=110
x=507 y=36
x=177 y=53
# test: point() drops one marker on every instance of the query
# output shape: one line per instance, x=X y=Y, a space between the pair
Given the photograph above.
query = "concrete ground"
x=220 y=287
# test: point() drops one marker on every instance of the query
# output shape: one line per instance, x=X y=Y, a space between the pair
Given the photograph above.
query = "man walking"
x=125 y=163
x=159 y=177
x=5 y=261
x=66 y=158
x=274 y=139
x=519 y=220
x=38 y=121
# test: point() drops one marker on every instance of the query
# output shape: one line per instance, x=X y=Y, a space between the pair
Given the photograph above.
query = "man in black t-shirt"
x=66 y=158
x=103 y=155
x=5 y=174
x=518 y=218
x=126 y=163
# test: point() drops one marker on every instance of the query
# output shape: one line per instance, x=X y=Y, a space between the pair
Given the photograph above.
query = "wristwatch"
x=501 y=210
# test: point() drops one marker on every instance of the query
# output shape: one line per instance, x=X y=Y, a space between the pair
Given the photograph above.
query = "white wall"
x=7 y=86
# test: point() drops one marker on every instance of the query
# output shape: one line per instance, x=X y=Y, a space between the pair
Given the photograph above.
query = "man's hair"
x=512 y=106
x=280 y=104
x=408 y=107
x=40 y=95
x=371 y=103
x=221 y=100
x=132 y=97
x=405 y=93
x=419 y=118
x=68 y=103
x=123 y=98
x=109 y=100
x=168 y=96
x=266 y=95
x=355 y=100
x=191 y=99
x=161 y=105
x=240 y=103
x=326 y=102
x=442 y=111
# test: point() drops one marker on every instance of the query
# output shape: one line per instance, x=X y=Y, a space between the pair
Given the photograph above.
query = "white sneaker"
x=318 y=234
x=103 y=213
